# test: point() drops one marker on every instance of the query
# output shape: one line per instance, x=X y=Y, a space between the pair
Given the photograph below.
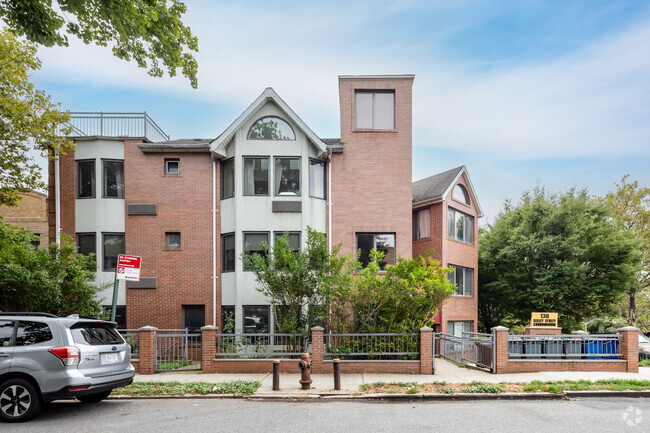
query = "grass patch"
x=644 y=362
x=170 y=365
x=482 y=388
x=237 y=387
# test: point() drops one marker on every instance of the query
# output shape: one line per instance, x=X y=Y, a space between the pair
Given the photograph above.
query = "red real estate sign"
x=128 y=268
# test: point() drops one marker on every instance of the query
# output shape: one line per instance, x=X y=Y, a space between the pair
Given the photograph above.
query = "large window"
x=316 y=178
x=112 y=179
x=293 y=239
x=460 y=226
x=457 y=328
x=422 y=224
x=86 y=179
x=86 y=243
x=193 y=317
x=113 y=246
x=384 y=242
x=271 y=128
x=256 y=176
x=256 y=319
x=287 y=176
x=228 y=252
x=374 y=109
x=228 y=178
x=253 y=243
x=463 y=278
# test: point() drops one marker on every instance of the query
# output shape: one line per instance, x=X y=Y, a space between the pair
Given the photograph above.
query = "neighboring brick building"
x=445 y=220
x=191 y=207
x=30 y=214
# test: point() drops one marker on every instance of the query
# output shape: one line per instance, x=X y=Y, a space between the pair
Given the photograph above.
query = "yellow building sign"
x=543 y=320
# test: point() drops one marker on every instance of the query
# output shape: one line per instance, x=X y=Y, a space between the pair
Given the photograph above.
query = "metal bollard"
x=276 y=375
x=337 y=373
x=305 y=366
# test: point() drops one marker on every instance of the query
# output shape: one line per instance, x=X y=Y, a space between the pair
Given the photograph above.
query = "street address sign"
x=128 y=267
x=543 y=320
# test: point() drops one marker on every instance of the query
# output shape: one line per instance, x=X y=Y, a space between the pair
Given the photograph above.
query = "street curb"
x=620 y=394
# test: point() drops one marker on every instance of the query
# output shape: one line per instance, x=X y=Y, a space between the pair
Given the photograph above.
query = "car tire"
x=19 y=400
x=93 y=398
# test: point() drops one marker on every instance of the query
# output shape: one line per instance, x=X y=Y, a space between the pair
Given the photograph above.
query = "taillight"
x=68 y=355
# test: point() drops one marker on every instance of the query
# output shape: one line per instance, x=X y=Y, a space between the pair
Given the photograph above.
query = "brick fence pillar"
x=630 y=347
x=317 y=350
x=426 y=350
x=208 y=348
x=551 y=330
x=147 y=337
x=500 y=347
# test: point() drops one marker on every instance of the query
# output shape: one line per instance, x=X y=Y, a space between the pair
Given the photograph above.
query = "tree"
x=630 y=206
x=28 y=119
x=147 y=31
x=54 y=280
x=557 y=253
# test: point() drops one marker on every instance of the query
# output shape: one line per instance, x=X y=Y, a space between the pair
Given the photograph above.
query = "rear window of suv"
x=33 y=333
x=95 y=334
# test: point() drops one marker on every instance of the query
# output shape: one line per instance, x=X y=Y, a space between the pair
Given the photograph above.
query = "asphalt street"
x=214 y=415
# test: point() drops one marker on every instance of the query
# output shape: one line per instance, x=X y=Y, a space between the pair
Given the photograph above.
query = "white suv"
x=44 y=358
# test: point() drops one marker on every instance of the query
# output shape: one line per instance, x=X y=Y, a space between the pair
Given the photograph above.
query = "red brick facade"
x=68 y=191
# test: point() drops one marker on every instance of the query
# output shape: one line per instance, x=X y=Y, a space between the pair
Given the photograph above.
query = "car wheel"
x=93 y=398
x=19 y=400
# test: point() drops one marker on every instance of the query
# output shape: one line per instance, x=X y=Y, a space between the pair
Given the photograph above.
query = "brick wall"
x=184 y=205
x=68 y=192
x=371 y=179
x=31 y=214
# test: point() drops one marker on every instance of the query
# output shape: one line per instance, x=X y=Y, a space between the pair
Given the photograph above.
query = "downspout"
x=57 y=201
x=329 y=199
x=214 y=242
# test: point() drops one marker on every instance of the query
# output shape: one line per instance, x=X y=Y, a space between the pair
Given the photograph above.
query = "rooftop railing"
x=101 y=124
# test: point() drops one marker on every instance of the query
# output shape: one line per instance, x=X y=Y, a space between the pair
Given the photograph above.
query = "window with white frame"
x=374 y=109
x=456 y=328
x=463 y=278
x=384 y=242
x=422 y=224
x=172 y=166
x=460 y=226
x=316 y=178
x=271 y=128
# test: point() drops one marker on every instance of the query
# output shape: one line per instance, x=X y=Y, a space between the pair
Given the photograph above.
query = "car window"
x=6 y=330
x=95 y=334
x=643 y=339
x=32 y=333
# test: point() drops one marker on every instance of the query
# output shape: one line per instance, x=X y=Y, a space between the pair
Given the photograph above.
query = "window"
x=271 y=128
x=457 y=328
x=384 y=242
x=36 y=243
x=463 y=278
x=460 y=194
x=172 y=166
x=460 y=226
x=86 y=244
x=113 y=179
x=120 y=315
x=287 y=176
x=95 y=334
x=316 y=178
x=228 y=252
x=228 y=319
x=375 y=109
x=173 y=240
x=86 y=179
x=256 y=319
x=6 y=332
x=227 y=178
x=113 y=246
x=193 y=317
x=253 y=243
x=256 y=176
x=293 y=239
x=33 y=333
x=422 y=224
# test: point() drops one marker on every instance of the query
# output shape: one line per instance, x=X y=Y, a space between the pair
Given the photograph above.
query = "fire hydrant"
x=305 y=376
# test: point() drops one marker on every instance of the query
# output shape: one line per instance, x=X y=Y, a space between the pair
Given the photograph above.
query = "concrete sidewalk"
x=323 y=384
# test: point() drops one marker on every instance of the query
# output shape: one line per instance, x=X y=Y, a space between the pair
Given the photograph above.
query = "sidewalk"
x=323 y=384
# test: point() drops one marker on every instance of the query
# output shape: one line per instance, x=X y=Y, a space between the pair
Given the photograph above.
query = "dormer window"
x=460 y=194
x=271 y=128
x=374 y=109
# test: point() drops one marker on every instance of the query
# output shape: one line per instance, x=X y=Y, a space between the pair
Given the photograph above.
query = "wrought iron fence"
x=261 y=346
x=177 y=349
x=594 y=347
x=372 y=346
x=477 y=348
x=114 y=125
x=132 y=338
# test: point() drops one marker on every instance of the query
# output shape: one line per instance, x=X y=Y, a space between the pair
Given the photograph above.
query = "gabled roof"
x=219 y=145
x=438 y=187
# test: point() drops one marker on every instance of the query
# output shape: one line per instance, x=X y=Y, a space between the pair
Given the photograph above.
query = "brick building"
x=191 y=207
x=30 y=214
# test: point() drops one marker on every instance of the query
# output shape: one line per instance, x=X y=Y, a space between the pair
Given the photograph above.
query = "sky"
x=523 y=93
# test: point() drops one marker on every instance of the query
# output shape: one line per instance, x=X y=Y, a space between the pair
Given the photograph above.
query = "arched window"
x=271 y=128
x=460 y=194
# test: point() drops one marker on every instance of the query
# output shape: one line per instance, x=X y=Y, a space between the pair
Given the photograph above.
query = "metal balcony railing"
x=137 y=125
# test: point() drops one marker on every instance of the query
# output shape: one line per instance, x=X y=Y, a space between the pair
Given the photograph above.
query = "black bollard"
x=276 y=375
x=337 y=373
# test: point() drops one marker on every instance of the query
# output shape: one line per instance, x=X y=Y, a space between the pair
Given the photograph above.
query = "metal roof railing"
x=102 y=124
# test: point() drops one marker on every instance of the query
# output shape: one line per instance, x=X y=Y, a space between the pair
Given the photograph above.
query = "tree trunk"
x=631 y=317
